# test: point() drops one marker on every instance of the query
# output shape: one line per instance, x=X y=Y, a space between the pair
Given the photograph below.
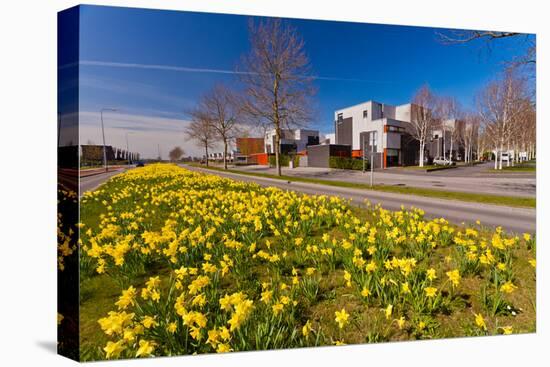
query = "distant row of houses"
x=382 y=131
x=94 y=153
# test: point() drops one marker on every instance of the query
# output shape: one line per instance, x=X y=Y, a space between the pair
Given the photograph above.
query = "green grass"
x=519 y=168
x=440 y=194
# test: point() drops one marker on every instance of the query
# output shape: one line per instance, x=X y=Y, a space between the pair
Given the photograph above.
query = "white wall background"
x=28 y=182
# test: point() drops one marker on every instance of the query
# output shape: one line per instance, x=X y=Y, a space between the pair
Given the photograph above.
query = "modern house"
x=328 y=139
x=248 y=150
x=380 y=130
x=320 y=155
x=444 y=137
x=292 y=140
x=248 y=146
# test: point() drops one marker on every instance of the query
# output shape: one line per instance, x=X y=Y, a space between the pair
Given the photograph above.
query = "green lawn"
x=517 y=168
x=440 y=194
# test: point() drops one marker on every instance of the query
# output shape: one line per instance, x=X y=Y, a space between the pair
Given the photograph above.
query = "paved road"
x=512 y=219
x=90 y=183
x=464 y=179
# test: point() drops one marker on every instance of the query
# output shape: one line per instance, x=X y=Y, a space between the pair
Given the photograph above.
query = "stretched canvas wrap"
x=232 y=183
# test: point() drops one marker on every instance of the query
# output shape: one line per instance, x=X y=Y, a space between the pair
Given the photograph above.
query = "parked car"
x=140 y=164
x=440 y=161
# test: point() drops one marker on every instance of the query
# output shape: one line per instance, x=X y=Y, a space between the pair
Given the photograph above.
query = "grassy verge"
x=515 y=169
x=440 y=194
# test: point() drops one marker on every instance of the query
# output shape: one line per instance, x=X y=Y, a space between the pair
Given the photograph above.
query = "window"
x=365 y=114
x=340 y=117
x=394 y=129
x=312 y=140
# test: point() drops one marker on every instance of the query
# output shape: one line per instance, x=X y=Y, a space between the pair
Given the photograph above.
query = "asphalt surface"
x=511 y=219
x=474 y=179
x=90 y=183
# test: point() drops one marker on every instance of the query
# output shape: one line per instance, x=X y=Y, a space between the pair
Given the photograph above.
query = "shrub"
x=296 y=160
x=283 y=159
x=347 y=163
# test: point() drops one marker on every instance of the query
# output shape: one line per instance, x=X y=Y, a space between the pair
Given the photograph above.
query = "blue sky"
x=151 y=65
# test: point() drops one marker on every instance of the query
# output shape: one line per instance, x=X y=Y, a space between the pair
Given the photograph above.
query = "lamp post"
x=372 y=158
x=127 y=147
x=103 y=134
x=364 y=153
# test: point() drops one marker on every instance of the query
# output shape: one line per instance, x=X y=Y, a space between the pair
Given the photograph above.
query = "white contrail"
x=158 y=67
x=198 y=70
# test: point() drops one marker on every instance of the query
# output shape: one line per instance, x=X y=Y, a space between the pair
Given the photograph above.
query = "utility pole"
x=127 y=147
x=444 y=155
x=103 y=134
x=372 y=160
x=364 y=153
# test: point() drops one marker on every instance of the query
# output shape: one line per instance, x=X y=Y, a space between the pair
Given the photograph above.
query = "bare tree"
x=423 y=118
x=200 y=130
x=175 y=154
x=465 y=36
x=523 y=135
x=449 y=111
x=471 y=131
x=222 y=109
x=500 y=105
x=278 y=79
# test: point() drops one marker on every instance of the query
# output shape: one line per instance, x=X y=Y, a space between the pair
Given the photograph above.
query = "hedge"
x=284 y=159
x=347 y=163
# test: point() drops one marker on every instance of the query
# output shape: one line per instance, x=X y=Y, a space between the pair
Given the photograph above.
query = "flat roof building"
x=292 y=140
x=382 y=130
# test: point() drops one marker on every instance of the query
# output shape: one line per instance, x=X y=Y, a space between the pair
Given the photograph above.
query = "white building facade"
x=381 y=130
x=292 y=140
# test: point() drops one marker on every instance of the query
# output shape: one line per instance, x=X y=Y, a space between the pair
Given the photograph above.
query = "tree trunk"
x=421 y=155
x=206 y=149
x=509 y=158
x=278 y=150
x=451 y=152
x=224 y=153
x=444 y=145
x=495 y=152
x=500 y=156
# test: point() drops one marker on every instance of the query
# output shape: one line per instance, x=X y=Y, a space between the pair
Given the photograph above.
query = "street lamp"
x=373 y=140
x=103 y=133
x=127 y=147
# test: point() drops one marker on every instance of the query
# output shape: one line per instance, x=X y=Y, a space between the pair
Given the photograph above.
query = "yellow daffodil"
x=341 y=318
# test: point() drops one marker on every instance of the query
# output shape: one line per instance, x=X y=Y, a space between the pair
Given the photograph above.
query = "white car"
x=440 y=161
